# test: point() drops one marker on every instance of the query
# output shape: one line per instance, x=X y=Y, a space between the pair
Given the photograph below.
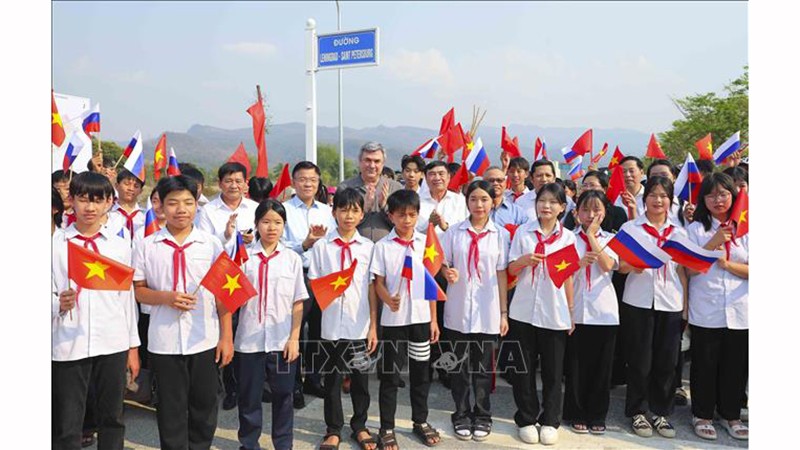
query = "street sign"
x=347 y=49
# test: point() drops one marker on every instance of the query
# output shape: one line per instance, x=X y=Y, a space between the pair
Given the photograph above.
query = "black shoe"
x=299 y=400
x=314 y=389
x=266 y=396
x=229 y=402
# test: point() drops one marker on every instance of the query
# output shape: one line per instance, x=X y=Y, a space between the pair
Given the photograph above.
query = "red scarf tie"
x=128 y=219
x=540 y=248
x=263 y=281
x=178 y=263
x=585 y=239
x=88 y=242
x=661 y=238
x=346 y=251
x=517 y=195
x=474 y=253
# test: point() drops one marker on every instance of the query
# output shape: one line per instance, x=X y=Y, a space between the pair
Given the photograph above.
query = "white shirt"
x=387 y=261
x=527 y=203
x=473 y=304
x=598 y=305
x=718 y=298
x=509 y=194
x=650 y=289
x=213 y=217
x=299 y=219
x=174 y=332
x=639 y=197
x=452 y=207
x=541 y=305
x=285 y=287
x=117 y=220
x=347 y=317
x=102 y=322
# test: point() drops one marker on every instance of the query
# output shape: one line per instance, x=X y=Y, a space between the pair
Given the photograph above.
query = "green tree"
x=720 y=115
x=328 y=162
x=110 y=149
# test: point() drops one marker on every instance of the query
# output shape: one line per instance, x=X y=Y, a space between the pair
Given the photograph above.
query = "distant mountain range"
x=208 y=146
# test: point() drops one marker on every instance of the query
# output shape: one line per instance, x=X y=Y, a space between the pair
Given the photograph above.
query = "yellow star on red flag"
x=339 y=282
x=232 y=284
x=96 y=269
x=562 y=265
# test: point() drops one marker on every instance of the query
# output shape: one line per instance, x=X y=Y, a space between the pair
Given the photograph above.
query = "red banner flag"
x=562 y=264
x=460 y=178
x=330 y=287
x=283 y=182
x=584 y=143
x=616 y=158
x=740 y=214
x=704 y=148
x=448 y=121
x=160 y=157
x=240 y=156
x=228 y=283
x=616 y=184
x=256 y=111
x=57 y=128
x=509 y=145
x=654 y=148
x=90 y=270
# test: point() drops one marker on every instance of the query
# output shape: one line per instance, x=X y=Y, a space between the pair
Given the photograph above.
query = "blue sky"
x=159 y=66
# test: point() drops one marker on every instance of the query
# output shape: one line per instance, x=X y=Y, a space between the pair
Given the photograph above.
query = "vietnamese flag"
x=240 y=156
x=330 y=287
x=283 y=182
x=448 y=121
x=434 y=255
x=57 y=128
x=562 y=264
x=460 y=178
x=704 y=148
x=616 y=184
x=616 y=158
x=654 y=148
x=584 y=143
x=740 y=214
x=160 y=157
x=92 y=270
x=452 y=140
x=256 y=111
x=596 y=158
x=228 y=283
x=510 y=146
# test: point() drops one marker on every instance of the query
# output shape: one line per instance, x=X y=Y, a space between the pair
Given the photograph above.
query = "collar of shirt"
x=447 y=197
x=297 y=203
x=535 y=225
x=641 y=220
x=334 y=234
x=70 y=232
x=256 y=247
x=510 y=192
x=467 y=225
x=417 y=236
x=217 y=203
x=117 y=206
x=194 y=236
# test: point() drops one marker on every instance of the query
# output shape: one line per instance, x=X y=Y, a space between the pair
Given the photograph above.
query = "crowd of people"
x=171 y=343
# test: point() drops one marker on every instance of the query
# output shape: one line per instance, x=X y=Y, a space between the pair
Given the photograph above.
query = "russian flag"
x=477 y=161
x=687 y=185
x=172 y=164
x=408 y=266
x=727 y=148
x=687 y=253
x=428 y=149
x=569 y=154
x=576 y=169
x=638 y=251
x=422 y=284
x=137 y=137
x=91 y=123
x=150 y=222
x=239 y=254
x=74 y=149
x=135 y=162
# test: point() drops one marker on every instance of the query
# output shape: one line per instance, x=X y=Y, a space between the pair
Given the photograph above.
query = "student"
x=718 y=313
x=190 y=332
x=542 y=172
x=477 y=311
x=665 y=168
x=517 y=173
x=126 y=211
x=571 y=189
x=346 y=321
x=740 y=177
x=403 y=319
x=504 y=211
x=194 y=173
x=259 y=189
x=230 y=211
x=412 y=171
x=267 y=339
x=590 y=348
x=540 y=316
x=94 y=335
x=60 y=181
x=56 y=210
x=650 y=316
x=632 y=198
x=614 y=216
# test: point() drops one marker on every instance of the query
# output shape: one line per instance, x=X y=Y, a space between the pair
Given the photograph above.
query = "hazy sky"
x=160 y=66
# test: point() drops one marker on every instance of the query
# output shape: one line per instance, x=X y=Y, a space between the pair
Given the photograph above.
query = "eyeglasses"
x=718 y=196
x=304 y=180
x=495 y=180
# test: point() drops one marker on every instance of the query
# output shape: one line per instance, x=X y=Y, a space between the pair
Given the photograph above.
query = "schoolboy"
x=94 y=334
x=190 y=333
x=126 y=211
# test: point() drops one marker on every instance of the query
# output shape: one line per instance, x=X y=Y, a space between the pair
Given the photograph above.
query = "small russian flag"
x=137 y=137
x=150 y=222
x=422 y=285
x=428 y=149
x=239 y=254
x=576 y=169
x=637 y=251
x=687 y=185
x=172 y=164
x=569 y=154
x=135 y=162
x=687 y=253
x=91 y=123
x=74 y=149
x=477 y=161
x=727 y=148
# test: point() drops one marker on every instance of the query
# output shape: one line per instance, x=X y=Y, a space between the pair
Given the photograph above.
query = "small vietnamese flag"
x=704 y=148
x=240 y=156
x=616 y=184
x=654 y=148
x=434 y=255
x=562 y=264
x=332 y=286
x=160 y=156
x=509 y=145
x=583 y=145
x=740 y=214
x=460 y=178
x=228 y=283
x=92 y=270
x=283 y=182
x=57 y=128
x=616 y=158
x=452 y=139
x=596 y=158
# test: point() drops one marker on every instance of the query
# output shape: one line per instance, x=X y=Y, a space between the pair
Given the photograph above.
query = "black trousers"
x=718 y=372
x=143 y=325
x=619 y=366
x=70 y=384
x=417 y=337
x=652 y=341
x=472 y=370
x=255 y=368
x=346 y=357
x=438 y=348
x=550 y=345
x=589 y=358
x=230 y=373
x=187 y=391
x=310 y=337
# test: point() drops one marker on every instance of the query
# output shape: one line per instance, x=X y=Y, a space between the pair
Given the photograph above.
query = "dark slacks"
x=589 y=359
x=254 y=369
x=310 y=337
x=418 y=347
x=70 y=384
x=187 y=391
x=473 y=371
x=230 y=373
x=620 y=366
x=652 y=342
x=346 y=357
x=550 y=345
x=719 y=371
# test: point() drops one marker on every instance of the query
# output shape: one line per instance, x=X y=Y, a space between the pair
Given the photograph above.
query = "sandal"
x=427 y=434
x=737 y=430
x=664 y=428
x=704 y=429
x=482 y=431
x=580 y=427
x=597 y=429
x=463 y=431
x=335 y=446
x=364 y=444
x=388 y=439
x=87 y=440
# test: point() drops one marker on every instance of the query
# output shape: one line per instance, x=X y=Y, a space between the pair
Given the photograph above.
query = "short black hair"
x=191 y=171
x=434 y=164
x=592 y=194
x=558 y=192
x=91 y=184
x=258 y=188
x=402 y=199
x=519 y=163
x=543 y=162
x=664 y=182
x=347 y=198
x=268 y=205
x=705 y=166
x=480 y=184
x=59 y=176
x=229 y=168
x=57 y=204
x=663 y=162
x=388 y=172
x=305 y=165
x=569 y=184
x=737 y=173
x=602 y=178
x=108 y=162
x=169 y=185
x=453 y=167
x=416 y=159
x=724 y=181
x=125 y=174
x=638 y=161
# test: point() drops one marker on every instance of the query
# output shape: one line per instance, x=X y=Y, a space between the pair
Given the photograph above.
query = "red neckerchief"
x=474 y=253
x=263 y=282
x=540 y=246
x=651 y=230
x=346 y=251
x=517 y=195
x=87 y=243
x=585 y=239
x=128 y=218
x=178 y=263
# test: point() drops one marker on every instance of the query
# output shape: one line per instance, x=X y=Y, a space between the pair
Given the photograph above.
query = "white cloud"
x=428 y=68
x=251 y=48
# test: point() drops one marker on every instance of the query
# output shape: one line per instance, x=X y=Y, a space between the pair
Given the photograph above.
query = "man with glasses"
x=504 y=211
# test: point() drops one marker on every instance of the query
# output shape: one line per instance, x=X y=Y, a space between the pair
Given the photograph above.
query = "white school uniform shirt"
x=598 y=305
x=473 y=304
x=299 y=219
x=347 y=317
x=117 y=220
x=718 y=298
x=213 y=217
x=649 y=289
x=285 y=287
x=527 y=202
x=387 y=261
x=542 y=305
x=173 y=332
x=639 y=197
x=509 y=194
x=103 y=322
x=452 y=207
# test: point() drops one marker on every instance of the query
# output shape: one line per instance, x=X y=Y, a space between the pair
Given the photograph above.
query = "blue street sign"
x=347 y=49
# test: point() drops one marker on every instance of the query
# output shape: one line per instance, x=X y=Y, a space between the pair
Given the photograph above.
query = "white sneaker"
x=549 y=435
x=529 y=434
